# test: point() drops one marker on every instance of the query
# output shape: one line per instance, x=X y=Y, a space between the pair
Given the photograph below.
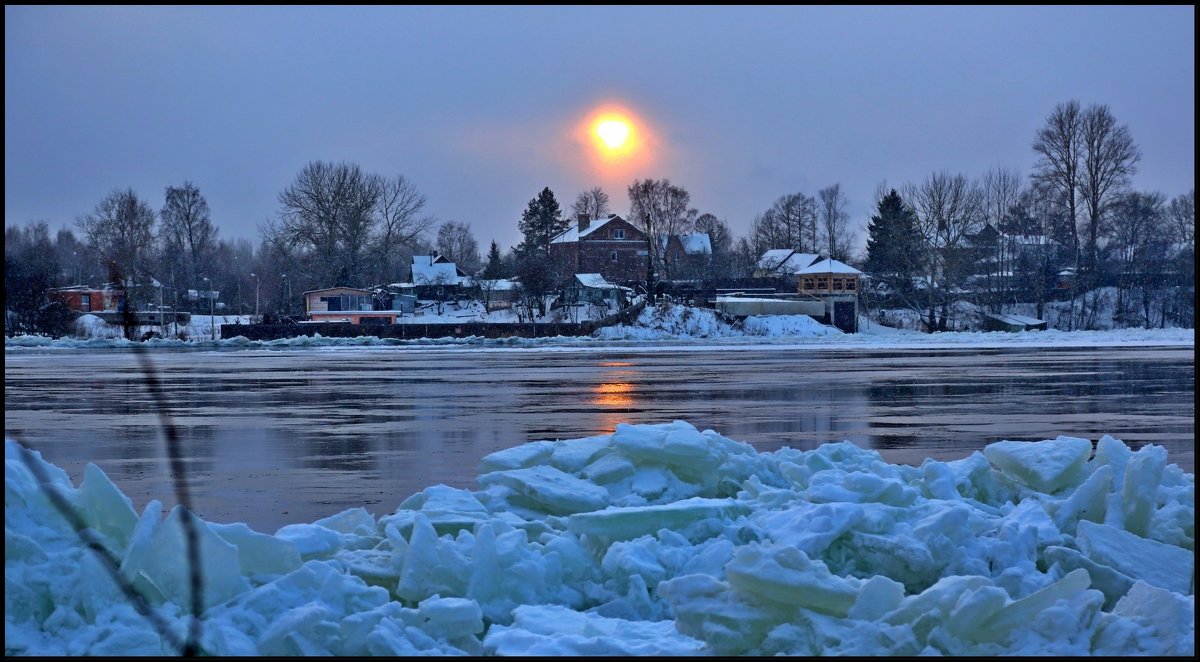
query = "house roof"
x=597 y=281
x=573 y=234
x=696 y=243
x=433 y=270
x=330 y=289
x=829 y=267
x=786 y=260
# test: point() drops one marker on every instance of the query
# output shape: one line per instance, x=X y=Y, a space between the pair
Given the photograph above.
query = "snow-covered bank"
x=662 y=326
x=654 y=540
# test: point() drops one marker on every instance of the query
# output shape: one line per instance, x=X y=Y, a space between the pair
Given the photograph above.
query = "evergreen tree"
x=541 y=222
x=893 y=243
x=495 y=263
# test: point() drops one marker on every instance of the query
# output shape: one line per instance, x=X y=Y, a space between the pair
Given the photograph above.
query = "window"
x=85 y=302
x=618 y=233
x=612 y=256
x=823 y=283
x=837 y=283
x=851 y=284
x=810 y=283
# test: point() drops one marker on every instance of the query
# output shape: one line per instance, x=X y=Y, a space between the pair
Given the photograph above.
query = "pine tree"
x=893 y=244
x=541 y=222
x=494 y=262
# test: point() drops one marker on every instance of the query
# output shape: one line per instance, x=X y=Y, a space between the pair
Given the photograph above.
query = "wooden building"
x=837 y=284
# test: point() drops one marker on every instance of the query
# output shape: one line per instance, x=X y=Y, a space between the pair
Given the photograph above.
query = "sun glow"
x=613 y=132
x=615 y=143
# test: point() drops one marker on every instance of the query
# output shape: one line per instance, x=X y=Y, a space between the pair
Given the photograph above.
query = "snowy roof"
x=428 y=272
x=696 y=244
x=573 y=234
x=426 y=260
x=597 y=281
x=829 y=267
x=339 y=287
x=786 y=260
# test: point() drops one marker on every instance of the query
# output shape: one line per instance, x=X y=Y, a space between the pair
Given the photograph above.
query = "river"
x=276 y=437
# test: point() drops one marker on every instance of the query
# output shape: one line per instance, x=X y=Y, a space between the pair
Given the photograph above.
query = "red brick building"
x=610 y=246
x=84 y=299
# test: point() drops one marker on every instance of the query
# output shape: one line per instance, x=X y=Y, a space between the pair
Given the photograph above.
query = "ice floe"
x=654 y=540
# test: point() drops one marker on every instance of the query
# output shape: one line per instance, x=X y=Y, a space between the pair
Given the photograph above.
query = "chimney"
x=584 y=221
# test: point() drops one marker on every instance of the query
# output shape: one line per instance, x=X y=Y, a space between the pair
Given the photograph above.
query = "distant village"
x=359 y=251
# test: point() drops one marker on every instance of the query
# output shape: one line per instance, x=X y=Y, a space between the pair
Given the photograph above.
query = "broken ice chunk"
x=549 y=489
x=1166 y=566
x=1046 y=466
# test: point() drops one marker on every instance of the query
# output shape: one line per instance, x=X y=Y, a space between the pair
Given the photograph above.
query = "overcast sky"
x=481 y=107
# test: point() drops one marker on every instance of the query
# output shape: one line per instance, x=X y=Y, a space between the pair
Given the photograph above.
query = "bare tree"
x=1141 y=243
x=661 y=210
x=1181 y=221
x=833 y=220
x=187 y=228
x=1109 y=160
x=401 y=224
x=329 y=211
x=1182 y=215
x=1001 y=188
x=121 y=231
x=949 y=207
x=456 y=243
x=1059 y=146
x=593 y=202
x=721 y=240
x=795 y=219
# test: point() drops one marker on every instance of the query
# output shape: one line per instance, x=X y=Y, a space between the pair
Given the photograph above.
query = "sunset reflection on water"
x=618 y=394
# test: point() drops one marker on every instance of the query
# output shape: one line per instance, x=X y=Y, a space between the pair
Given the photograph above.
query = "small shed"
x=593 y=288
x=1012 y=323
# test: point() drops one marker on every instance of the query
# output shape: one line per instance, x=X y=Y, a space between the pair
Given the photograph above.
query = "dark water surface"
x=278 y=437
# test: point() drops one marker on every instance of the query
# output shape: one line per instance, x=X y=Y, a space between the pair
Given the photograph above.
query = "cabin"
x=594 y=289
x=687 y=256
x=435 y=277
x=351 y=305
x=837 y=284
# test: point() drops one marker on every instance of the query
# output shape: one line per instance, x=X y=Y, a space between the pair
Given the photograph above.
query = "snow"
x=696 y=243
x=829 y=266
x=597 y=281
x=653 y=540
x=666 y=325
x=574 y=234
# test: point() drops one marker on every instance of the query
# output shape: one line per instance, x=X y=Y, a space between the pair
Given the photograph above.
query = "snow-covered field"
x=654 y=540
x=670 y=324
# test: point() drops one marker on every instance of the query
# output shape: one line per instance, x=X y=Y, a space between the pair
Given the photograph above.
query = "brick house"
x=686 y=256
x=610 y=246
x=84 y=299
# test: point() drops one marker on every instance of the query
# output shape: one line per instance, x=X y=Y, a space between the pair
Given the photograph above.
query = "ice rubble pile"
x=654 y=540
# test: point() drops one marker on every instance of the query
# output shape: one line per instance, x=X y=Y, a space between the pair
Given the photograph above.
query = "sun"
x=616 y=141
x=613 y=132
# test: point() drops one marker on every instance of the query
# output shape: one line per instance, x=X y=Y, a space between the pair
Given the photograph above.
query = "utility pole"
x=212 y=318
x=256 y=283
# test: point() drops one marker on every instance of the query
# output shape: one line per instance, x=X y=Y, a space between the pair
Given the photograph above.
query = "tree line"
x=1073 y=226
